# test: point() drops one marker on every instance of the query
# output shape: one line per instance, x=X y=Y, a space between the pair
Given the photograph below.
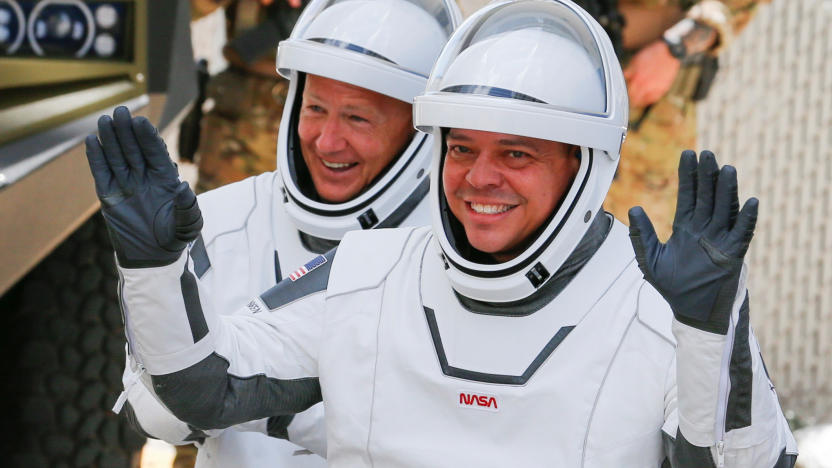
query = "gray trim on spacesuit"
x=222 y=399
x=196 y=435
x=129 y=413
x=406 y=207
x=278 y=426
x=316 y=244
x=475 y=376
x=288 y=291
x=193 y=308
x=200 y=257
x=277 y=275
x=586 y=248
x=683 y=454
x=738 y=414
x=319 y=245
x=786 y=460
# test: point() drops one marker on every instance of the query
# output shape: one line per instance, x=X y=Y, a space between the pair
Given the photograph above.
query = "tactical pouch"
x=710 y=65
x=696 y=77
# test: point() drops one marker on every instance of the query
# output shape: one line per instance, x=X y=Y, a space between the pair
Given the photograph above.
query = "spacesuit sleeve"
x=721 y=409
x=214 y=371
x=150 y=418
x=147 y=415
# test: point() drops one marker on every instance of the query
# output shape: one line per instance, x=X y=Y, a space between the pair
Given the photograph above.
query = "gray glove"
x=150 y=214
x=697 y=270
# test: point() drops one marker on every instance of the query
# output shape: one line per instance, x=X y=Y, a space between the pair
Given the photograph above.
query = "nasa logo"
x=253 y=307
x=478 y=401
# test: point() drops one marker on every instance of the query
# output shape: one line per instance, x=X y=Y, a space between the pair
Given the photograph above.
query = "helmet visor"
x=388 y=46
x=534 y=52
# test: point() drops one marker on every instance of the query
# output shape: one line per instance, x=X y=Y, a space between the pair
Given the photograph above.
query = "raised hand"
x=150 y=214
x=697 y=270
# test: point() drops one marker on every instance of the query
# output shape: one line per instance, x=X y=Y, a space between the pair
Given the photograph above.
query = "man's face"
x=348 y=135
x=503 y=187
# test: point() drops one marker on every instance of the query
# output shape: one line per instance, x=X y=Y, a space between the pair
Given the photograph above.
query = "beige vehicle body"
x=47 y=106
x=64 y=63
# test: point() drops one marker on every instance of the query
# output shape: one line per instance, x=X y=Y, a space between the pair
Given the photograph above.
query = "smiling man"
x=525 y=328
x=503 y=187
x=348 y=158
x=349 y=135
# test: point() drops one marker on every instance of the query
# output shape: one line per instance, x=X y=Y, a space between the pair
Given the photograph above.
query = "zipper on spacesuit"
x=128 y=332
x=723 y=391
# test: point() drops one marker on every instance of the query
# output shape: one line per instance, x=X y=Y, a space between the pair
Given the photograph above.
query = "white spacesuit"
x=426 y=354
x=257 y=229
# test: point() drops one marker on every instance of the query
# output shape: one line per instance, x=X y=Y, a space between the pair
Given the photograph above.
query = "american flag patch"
x=311 y=265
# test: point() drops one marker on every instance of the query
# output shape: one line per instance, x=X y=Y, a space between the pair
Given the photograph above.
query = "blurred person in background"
x=236 y=135
x=348 y=158
x=669 y=60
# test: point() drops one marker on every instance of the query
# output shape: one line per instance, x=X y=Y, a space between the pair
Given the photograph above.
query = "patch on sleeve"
x=311 y=265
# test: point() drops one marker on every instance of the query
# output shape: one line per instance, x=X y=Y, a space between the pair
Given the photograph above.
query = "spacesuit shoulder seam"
x=654 y=313
x=349 y=275
x=245 y=194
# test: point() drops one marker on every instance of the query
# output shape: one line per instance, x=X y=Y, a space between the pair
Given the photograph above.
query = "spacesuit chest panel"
x=407 y=412
x=241 y=241
x=508 y=349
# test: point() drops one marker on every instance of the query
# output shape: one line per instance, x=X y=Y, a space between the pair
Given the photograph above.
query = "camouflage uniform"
x=647 y=174
x=239 y=134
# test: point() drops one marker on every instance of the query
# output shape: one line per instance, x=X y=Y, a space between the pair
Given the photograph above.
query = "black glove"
x=697 y=270
x=150 y=214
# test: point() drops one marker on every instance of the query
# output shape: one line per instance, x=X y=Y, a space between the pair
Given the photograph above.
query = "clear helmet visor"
x=542 y=69
x=384 y=46
x=539 y=52
x=443 y=13
x=532 y=68
x=408 y=34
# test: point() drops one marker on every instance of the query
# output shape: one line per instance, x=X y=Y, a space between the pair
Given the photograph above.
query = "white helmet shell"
x=580 y=89
x=541 y=69
x=386 y=46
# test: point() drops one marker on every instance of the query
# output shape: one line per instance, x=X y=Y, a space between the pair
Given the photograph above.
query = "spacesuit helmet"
x=538 y=69
x=385 y=46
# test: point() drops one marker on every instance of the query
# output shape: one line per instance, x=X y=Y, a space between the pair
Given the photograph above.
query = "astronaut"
x=349 y=158
x=524 y=328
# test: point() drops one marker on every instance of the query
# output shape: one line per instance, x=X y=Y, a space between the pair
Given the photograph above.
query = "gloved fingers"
x=644 y=240
x=98 y=166
x=183 y=197
x=686 y=198
x=187 y=215
x=156 y=155
x=129 y=146
x=706 y=177
x=112 y=152
x=743 y=231
x=726 y=202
